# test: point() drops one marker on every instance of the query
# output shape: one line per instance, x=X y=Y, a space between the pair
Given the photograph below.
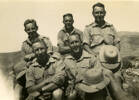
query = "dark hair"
x=98 y=5
x=41 y=41
x=68 y=14
x=30 y=21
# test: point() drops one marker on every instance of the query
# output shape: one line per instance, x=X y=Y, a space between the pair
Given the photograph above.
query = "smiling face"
x=75 y=43
x=68 y=22
x=99 y=13
x=31 y=29
x=39 y=49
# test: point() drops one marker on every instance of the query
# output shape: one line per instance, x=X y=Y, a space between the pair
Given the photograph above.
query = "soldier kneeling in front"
x=45 y=76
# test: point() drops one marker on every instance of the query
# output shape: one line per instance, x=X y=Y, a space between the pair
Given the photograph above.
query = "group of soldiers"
x=86 y=66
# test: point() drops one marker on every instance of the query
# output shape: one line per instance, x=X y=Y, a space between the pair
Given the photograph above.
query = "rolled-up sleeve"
x=80 y=33
x=49 y=45
x=116 y=37
x=86 y=36
x=30 y=80
x=93 y=61
x=59 y=39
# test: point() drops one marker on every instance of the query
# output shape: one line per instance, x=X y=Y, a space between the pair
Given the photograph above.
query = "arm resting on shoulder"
x=64 y=49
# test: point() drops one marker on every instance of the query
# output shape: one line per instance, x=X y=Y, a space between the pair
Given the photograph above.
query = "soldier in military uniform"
x=99 y=32
x=68 y=29
x=76 y=64
x=45 y=76
x=31 y=29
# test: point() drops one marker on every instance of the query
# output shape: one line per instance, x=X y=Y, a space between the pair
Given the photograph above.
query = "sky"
x=124 y=15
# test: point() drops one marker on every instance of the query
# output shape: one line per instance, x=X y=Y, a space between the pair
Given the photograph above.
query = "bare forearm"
x=64 y=50
x=50 y=87
x=121 y=95
x=37 y=87
x=29 y=57
x=87 y=48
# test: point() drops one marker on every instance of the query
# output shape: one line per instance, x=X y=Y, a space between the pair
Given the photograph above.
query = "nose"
x=99 y=13
x=30 y=31
x=74 y=44
x=39 y=51
x=68 y=22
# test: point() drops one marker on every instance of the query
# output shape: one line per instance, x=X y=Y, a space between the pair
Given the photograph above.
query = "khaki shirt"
x=63 y=36
x=27 y=45
x=76 y=68
x=96 y=36
x=53 y=71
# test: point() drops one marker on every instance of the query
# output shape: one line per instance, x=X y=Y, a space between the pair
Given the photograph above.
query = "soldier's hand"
x=46 y=95
x=70 y=89
x=33 y=95
x=115 y=84
x=29 y=57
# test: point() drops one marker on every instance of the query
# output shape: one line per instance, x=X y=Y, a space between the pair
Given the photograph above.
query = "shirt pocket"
x=65 y=39
x=109 y=38
x=49 y=72
x=38 y=73
x=27 y=49
x=96 y=37
x=84 y=65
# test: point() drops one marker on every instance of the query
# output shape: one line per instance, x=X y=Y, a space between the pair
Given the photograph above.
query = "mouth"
x=40 y=55
x=100 y=18
x=68 y=25
x=76 y=49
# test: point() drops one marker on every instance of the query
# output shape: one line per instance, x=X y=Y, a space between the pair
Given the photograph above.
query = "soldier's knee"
x=57 y=94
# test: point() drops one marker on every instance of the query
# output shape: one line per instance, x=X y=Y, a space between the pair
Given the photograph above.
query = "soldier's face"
x=75 y=44
x=99 y=13
x=68 y=22
x=31 y=29
x=39 y=49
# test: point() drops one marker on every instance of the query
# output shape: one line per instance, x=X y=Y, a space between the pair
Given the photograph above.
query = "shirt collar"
x=84 y=55
x=36 y=64
x=28 y=40
x=64 y=29
x=96 y=25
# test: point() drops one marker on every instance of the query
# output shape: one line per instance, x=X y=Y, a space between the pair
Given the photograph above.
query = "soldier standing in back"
x=63 y=35
x=99 y=32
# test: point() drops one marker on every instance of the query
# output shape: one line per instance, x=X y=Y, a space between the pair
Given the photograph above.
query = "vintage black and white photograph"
x=69 y=50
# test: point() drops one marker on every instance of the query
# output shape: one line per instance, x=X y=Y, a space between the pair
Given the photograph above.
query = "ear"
x=73 y=21
x=93 y=13
x=25 y=29
x=104 y=12
x=63 y=22
x=37 y=28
